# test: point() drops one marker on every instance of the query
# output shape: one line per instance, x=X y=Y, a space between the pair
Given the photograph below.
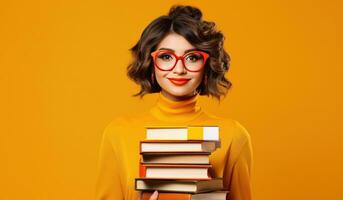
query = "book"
x=174 y=185
x=216 y=195
x=167 y=171
x=182 y=133
x=175 y=158
x=167 y=196
x=177 y=146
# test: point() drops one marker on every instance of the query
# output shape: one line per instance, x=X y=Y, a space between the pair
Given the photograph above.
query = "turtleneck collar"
x=176 y=111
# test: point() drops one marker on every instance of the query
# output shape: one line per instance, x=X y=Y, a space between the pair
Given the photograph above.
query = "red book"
x=167 y=196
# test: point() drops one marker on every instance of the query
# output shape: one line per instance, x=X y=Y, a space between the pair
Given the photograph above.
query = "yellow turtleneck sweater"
x=118 y=163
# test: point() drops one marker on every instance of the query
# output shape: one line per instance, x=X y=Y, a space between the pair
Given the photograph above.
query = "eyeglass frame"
x=204 y=54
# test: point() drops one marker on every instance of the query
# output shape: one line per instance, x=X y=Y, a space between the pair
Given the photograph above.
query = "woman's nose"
x=179 y=67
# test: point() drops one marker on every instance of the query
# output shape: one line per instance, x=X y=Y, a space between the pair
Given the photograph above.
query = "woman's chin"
x=178 y=92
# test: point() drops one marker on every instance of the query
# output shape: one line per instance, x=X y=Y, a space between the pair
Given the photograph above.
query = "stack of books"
x=175 y=161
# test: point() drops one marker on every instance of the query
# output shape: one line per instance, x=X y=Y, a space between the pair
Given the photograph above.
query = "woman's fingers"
x=154 y=196
x=139 y=195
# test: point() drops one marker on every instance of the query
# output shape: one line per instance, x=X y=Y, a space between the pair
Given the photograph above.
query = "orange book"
x=219 y=195
x=167 y=196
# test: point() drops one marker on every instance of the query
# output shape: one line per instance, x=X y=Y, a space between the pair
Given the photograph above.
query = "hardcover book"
x=177 y=146
x=167 y=171
x=175 y=158
x=216 y=195
x=173 y=185
x=183 y=133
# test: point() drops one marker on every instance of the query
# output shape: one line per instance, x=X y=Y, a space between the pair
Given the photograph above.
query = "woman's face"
x=171 y=87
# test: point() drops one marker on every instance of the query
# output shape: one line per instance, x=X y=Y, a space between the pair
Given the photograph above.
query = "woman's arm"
x=238 y=169
x=108 y=182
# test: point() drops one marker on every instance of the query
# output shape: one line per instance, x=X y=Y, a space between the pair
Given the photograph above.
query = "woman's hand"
x=154 y=195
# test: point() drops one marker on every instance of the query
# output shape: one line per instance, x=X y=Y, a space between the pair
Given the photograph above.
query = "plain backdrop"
x=63 y=79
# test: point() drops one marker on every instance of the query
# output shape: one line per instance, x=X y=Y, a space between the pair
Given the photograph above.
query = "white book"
x=175 y=158
x=183 y=133
x=189 y=186
x=177 y=146
x=168 y=171
x=216 y=195
x=176 y=173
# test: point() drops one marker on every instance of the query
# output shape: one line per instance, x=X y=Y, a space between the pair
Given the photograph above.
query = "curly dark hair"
x=187 y=22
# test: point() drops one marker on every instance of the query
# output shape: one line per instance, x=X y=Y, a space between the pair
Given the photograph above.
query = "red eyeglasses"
x=166 y=60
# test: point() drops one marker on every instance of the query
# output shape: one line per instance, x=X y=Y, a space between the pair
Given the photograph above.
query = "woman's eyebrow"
x=188 y=50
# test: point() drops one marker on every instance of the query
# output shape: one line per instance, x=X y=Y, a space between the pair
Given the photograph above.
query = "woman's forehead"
x=176 y=43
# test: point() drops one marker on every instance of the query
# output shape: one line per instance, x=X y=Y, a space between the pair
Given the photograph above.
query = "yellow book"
x=183 y=133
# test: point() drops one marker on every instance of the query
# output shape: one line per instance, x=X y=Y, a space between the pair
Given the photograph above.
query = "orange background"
x=63 y=79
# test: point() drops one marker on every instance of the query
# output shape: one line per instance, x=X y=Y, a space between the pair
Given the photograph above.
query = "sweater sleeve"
x=108 y=185
x=240 y=166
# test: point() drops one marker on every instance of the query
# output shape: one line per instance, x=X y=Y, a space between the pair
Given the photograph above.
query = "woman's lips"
x=178 y=81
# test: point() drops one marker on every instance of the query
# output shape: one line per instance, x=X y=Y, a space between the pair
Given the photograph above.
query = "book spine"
x=140 y=147
x=142 y=170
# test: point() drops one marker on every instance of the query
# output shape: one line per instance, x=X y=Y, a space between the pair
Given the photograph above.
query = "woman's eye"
x=165 y=57
x=193 y=57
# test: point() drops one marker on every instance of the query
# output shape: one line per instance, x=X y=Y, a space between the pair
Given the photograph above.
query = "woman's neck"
x=168 y=110
x=177 y=98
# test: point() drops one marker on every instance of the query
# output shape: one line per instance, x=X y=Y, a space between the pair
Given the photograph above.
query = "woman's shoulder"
x=231 y=126
x=124 y=121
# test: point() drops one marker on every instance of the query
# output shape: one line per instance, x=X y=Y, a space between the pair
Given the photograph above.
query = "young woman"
x=179 y=56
